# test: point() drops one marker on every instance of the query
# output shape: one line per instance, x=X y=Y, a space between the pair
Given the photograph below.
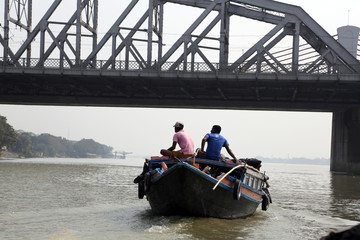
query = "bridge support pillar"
x=345 y=149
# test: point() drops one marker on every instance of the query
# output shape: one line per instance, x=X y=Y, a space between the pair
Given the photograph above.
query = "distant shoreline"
x=315 y=161
x=9 y=156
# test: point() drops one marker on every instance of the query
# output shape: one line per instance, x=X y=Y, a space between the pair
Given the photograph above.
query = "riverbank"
x=9 y=155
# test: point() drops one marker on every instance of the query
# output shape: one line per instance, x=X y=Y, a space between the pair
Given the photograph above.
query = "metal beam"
x=224 y=35
x=257 y=46
x=185 y=37
x=293 y=18
x=41 y=26
x=58 y=42
x=112 y=32
x=6 y=31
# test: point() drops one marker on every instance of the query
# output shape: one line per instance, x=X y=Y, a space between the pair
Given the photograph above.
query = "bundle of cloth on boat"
x=253 y=162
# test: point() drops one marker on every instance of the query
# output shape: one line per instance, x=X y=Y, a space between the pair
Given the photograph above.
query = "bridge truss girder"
x=85 y=16
x=293 y=21
x=288 y=20
x=18 y=12
x=154 y=15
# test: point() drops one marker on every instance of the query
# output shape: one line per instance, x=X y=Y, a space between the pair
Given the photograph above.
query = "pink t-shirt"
x=185 y=142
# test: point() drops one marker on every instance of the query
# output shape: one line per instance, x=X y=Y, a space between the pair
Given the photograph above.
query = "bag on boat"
x=254 y=163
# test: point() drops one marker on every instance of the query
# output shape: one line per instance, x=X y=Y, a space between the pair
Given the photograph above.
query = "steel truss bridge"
x=315 y=74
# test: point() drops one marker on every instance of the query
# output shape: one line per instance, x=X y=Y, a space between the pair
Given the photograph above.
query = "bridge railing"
x=198 y=67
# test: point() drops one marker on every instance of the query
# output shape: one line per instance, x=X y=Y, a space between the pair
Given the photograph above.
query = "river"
x=71 y=199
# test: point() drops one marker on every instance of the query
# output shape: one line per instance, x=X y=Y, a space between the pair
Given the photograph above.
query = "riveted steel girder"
x=85 y=16
x=288 y=20
x=18 y=12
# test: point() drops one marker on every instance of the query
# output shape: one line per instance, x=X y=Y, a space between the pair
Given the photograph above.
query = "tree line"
x=28 y=145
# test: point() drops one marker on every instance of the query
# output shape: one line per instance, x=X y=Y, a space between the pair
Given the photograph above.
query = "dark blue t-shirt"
x=215 y=143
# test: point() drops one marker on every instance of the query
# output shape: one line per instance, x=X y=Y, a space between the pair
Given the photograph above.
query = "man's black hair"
x=217 y=128
x=181 y=127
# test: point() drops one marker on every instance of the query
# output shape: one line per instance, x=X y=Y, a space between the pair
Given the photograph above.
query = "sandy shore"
x=9 y=155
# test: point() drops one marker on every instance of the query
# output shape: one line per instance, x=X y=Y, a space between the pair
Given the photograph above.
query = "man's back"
x=185 y=142
x=215 y=143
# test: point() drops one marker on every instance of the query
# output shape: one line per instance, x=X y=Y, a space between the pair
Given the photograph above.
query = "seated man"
x=185 y=142
x=215 y=143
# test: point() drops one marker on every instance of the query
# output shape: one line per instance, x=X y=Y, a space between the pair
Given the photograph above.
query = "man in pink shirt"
x=185 y=142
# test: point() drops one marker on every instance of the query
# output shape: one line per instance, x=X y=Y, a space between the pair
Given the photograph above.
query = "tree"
x=46 y=145
x=23 y=145
x=88 y=147
x=8 y=135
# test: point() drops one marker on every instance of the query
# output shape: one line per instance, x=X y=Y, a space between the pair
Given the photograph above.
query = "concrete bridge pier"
x=345 y=149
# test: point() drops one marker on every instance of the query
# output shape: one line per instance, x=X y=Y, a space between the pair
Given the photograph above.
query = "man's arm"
x=172 y=147
x=203 y=141
x=230 y=152
x=167 y=152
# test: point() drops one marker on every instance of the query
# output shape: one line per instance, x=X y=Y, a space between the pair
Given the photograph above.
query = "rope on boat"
x=225 y=175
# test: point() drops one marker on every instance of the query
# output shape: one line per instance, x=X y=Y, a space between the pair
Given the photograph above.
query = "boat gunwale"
x=210 y=178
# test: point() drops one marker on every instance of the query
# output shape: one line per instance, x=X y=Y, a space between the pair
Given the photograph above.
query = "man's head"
x=216 y=129
x=178 y=126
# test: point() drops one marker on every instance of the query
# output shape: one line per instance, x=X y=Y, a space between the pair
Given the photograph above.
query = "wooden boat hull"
x=184 y=190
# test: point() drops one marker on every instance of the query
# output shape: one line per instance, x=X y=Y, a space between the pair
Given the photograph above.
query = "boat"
x=204 y=188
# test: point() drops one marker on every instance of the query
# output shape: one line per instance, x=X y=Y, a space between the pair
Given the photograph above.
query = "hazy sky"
x=146 y=131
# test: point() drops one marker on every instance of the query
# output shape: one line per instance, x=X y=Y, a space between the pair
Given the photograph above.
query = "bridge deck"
x=184 y=89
